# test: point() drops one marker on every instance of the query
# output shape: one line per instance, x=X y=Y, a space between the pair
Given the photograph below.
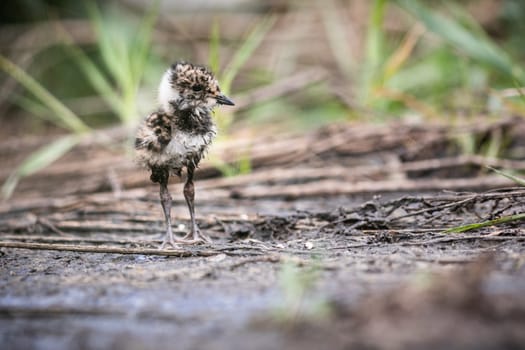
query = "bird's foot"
x=195 y=236
x=171 y=243
x=169 y=240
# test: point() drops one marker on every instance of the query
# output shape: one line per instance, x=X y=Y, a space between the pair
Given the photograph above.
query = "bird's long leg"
x=165 y=200
x=189 y=195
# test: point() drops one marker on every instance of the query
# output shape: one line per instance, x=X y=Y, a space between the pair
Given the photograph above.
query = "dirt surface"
x=359 y=268
x=289 y=280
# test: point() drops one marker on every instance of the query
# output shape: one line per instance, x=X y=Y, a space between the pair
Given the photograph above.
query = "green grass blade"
x=478 y=47
x=469 y=227
x=139 y=52
x=508 y=175
x=375 y=39
x=141 y=45
x=114 y=47
x=336 y=33
x=35 y=108
x=252 y=41
x=374 y=48
x=96 y=78
x=213 y=52
x=60 y=111
x=242 y=166
x=39 y=160
x=108 y=46
x=125 y=56
x=519 y=89
x=403 y=52
x=245 y=165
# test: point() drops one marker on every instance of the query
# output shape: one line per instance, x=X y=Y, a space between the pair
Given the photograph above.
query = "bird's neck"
x=198 y=120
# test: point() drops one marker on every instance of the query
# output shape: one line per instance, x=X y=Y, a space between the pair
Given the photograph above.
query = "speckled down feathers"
x=180 y=132
x=160 y=143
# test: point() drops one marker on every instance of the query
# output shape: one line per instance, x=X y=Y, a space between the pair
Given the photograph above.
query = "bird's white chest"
x=187 y=144
x=185 y=147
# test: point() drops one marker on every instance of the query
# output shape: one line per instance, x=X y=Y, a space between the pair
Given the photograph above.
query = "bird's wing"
x=154 y=133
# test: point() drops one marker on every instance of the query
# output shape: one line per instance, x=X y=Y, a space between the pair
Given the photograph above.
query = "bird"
x=177 y=136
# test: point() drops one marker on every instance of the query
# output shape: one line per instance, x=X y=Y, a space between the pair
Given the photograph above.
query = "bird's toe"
x=169 y=242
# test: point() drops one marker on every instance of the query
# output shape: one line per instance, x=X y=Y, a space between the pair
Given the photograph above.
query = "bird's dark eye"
x=197 y=87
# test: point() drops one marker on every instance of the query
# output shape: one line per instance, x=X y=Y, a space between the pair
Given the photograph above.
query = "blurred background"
x=71 y=68
x=355 y=160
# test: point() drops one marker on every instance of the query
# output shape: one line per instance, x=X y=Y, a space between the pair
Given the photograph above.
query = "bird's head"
x=187 y=86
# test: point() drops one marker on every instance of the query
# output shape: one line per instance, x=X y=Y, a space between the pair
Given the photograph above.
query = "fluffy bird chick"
x=177 y=136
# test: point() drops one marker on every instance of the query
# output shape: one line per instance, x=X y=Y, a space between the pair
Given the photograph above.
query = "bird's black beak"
x=223 y=100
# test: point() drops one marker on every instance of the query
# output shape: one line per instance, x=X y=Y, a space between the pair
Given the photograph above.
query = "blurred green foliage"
x=299 y=300
x=122 y=56
x=443 y=54
x=239 y=58
x=442 y=62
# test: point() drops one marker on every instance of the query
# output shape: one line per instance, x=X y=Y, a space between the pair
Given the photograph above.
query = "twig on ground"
x=46 y=223
x=106 y=249
x=331 y=187
x=436 y=208
x=69 y=239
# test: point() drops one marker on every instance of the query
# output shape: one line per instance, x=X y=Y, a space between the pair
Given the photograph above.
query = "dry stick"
x=229 y=250
x=47 y=310
x=57 y=310
x=46 y=223
x=102 y=226
x=69 y=239
x=439 y=207
x=330 y=187
x=412 y=231
x=261 y=247
x=339 y=221
x=98 y=249
x=499 y=193
x=352 y=246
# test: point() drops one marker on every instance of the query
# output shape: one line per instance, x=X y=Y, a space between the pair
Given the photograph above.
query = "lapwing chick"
x=177 y=136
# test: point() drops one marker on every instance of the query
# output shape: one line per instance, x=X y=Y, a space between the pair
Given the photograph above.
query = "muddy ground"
x=316 y=267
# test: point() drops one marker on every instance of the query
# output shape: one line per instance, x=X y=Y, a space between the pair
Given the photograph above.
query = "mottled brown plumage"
x=178 y=134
